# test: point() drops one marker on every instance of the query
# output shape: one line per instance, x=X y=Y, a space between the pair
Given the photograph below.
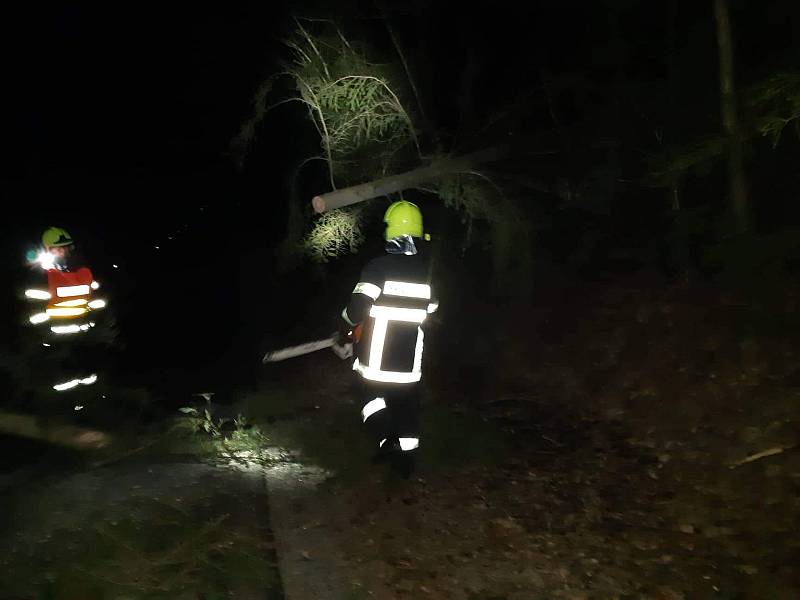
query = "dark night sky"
x=130 y=111
x=116 y=91
x=119 y=118
x=133 y=93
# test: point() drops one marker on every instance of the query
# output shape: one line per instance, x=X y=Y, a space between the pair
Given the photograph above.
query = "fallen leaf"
x=667 y=593
x=405 y=585
x=507 y=525
x=748 y=569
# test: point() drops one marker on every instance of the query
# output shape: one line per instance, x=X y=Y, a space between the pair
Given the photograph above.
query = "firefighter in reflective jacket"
x=69 y=303
x=388 y=307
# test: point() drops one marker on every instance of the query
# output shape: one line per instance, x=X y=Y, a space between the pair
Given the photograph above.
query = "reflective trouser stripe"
x=39 y=318
x=67 y=312
x=371 y=407
x=74 y=328
x=60 y=387
x=65 y=329
x=409 y=443
x=68 y=385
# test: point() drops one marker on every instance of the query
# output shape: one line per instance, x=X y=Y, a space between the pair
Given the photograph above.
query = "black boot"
x=386 y=451
x=403 y=463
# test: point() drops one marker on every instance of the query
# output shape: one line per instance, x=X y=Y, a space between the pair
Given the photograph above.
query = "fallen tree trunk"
x=60 y=434
x=404 y=181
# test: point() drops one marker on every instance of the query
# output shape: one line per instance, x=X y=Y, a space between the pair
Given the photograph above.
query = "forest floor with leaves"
x=611 y=441
x=174 y=516
x=619 y=441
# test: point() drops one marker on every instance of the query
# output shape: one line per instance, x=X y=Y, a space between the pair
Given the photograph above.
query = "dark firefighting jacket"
x=391 y=303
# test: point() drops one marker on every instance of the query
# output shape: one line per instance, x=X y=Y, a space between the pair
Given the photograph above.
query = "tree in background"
x=737 y=182
x=630 y=107
x=360 y=109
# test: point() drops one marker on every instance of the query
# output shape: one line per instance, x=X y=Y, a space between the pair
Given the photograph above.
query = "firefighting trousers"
x=390 y=413
x=70 y=361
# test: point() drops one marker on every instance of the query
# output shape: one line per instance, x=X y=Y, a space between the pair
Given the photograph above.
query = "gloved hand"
x=344 y=340
x=343 y=351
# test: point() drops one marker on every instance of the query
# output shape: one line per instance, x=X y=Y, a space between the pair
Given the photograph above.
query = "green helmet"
x=403 y=218
x=56 y=237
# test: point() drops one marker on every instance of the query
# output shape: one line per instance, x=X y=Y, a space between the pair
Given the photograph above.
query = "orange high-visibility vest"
x=70 y=293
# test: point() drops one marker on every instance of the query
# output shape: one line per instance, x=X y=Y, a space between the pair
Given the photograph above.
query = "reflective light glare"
x=80 y=302
x=383 y=441
x=63 y=329
x=371 y=407
x=74 y=383
x=37 y=294
x=39 y=318
x=368 y=289
x=95 y=304
x=66 y=386
x=346 y=317
x=420 y=345
x=46 y=345
x=408 y=290
x=73 y=290
x=115 y=266
x=66 y=312
x=407 y=444
x=378 y=339
x=46 y=260
x=410 y=315
x=95 y=285
x=433 y=307
x=78 y=407
x=373 y=370
x=374 y=374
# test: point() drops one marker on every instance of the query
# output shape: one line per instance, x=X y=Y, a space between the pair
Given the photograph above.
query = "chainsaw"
x=343 y=352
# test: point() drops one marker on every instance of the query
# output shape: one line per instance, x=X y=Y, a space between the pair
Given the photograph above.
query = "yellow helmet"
x=403 y=218
x=55 y=237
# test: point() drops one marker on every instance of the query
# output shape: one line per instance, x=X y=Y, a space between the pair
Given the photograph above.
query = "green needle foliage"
x=366 y=132
x=362 y=123
x=335 y=233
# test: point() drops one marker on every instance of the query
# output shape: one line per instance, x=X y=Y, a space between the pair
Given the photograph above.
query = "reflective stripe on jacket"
x=391 y=301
